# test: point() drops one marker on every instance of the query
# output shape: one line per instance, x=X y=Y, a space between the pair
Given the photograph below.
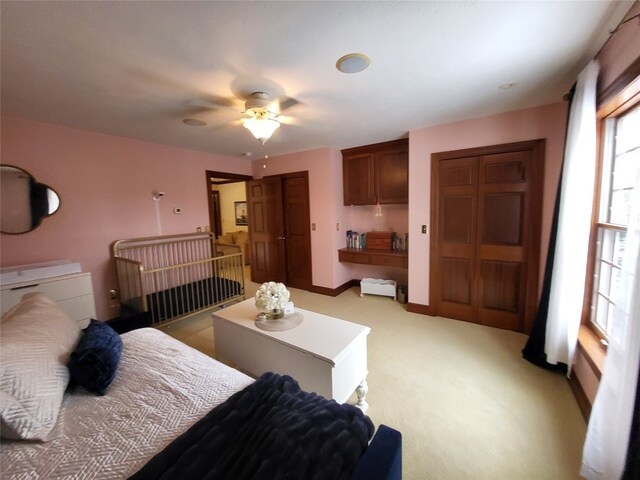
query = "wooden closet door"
x=503 y=214
x=486 y=215
x=456 y=238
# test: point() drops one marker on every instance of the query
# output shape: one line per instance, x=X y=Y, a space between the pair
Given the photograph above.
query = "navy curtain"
x=632 y=464
x=534 y=349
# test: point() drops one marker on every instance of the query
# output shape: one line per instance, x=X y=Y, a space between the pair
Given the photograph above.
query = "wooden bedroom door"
x=266 y=230
x=216 y=217
x=486 y=218
x=279 y=228
x=297 y=229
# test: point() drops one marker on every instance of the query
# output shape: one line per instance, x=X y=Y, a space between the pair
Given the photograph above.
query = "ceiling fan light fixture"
x=261 y=128
x=258 y=101
x=353 y=63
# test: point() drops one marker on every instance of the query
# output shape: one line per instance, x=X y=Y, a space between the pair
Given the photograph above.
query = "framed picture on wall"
x=241 y=213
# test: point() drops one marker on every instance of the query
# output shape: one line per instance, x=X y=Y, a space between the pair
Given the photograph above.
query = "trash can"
x=403 y=296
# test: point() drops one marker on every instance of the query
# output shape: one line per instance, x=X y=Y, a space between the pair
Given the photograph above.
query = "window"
x=619 y=167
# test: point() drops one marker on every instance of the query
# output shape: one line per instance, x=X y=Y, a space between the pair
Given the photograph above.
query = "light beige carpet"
x=467 y=404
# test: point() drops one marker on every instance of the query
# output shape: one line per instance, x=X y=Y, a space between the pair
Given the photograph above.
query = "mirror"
x=23 y=201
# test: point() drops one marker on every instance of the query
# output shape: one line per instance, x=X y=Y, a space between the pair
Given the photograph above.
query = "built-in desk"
x=374 y=257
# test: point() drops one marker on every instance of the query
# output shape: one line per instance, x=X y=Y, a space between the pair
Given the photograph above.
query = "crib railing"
x=175 y=276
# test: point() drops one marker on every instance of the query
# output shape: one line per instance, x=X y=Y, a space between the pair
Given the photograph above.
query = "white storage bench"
x=376 y=286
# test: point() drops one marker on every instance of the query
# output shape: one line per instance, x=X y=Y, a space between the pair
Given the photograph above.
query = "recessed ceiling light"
x=507 y=86
x=353 y=63
x=194 y=122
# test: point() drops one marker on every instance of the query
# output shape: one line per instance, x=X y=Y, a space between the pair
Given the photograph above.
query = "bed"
x=171 y=277
x=165 y=404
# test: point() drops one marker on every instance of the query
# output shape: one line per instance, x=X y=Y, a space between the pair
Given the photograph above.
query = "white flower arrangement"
x=271 y=296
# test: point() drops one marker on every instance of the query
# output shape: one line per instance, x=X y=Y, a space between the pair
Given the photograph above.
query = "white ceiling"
x=136 y=69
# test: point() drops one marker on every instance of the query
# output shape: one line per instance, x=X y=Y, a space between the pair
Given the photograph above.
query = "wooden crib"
x=175 y=276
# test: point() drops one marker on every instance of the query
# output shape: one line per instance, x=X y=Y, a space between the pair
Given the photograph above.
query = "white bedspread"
x=161 y=389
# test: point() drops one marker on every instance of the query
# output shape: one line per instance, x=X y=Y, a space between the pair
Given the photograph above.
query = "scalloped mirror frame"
x=23 y=201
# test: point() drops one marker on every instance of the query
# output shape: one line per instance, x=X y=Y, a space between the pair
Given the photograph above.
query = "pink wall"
x=546 y=122
x=588 y=379
x=394 y=218
x=105 y=184
x=325 y=179
x=323 y=191
x=622 y=49
x=327 y=211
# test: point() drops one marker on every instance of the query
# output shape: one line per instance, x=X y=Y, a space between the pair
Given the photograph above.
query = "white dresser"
x=73 y=293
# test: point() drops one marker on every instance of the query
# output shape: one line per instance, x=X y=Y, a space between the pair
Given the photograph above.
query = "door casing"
x=219 y=178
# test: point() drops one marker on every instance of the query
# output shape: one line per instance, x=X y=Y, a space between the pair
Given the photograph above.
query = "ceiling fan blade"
x=221 y=126
x=285 y=103
x=224 y=101
x=194 y=110
x=215 y=102
x=286 y=120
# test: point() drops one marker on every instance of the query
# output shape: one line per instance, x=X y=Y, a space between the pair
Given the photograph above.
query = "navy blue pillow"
x=94 y=362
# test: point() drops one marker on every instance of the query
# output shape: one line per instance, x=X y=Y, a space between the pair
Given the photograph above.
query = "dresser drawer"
x=73 y=293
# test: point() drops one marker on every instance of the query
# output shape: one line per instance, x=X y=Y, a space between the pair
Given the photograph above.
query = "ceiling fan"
x=264 y=113
x=263 y=116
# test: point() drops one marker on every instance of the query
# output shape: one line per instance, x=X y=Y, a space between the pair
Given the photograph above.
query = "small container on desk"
x=379 y=240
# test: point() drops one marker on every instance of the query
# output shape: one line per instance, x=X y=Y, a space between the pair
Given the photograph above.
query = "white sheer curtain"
x=607 y=440
x=574 y=222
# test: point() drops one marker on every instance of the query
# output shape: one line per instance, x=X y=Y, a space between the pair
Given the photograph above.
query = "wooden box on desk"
x=379 y=240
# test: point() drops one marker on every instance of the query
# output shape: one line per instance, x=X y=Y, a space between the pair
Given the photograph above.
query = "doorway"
x=279 y=222
x=486 y=215
x=215 y=179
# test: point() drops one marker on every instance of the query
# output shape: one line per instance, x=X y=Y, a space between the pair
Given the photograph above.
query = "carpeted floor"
x=467 y=404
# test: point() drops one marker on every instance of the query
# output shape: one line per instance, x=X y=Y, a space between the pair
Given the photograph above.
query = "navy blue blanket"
x=271 y=430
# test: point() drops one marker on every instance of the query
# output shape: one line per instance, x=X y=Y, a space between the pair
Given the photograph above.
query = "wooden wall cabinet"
x=376 y=173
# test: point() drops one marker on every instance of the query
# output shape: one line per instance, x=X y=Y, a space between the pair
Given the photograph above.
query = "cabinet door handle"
x=25 y=286
x=281 y=238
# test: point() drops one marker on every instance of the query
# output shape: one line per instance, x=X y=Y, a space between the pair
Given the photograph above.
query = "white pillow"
x=36 y=340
